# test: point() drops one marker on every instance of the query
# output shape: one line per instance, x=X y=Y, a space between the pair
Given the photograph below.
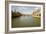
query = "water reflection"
x=24 y=21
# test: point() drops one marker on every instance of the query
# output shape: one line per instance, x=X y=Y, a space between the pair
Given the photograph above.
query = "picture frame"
x=7 y=28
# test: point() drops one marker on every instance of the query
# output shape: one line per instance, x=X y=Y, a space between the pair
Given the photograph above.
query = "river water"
x=25 y=21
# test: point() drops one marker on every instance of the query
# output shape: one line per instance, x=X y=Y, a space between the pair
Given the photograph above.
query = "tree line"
x=16 y=14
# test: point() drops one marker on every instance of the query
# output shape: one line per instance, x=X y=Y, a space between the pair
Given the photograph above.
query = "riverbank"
x=37 y=20
x=36 y=16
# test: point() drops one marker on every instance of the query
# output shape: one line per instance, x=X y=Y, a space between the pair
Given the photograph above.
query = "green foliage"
x=37 y=20
x=16 y=13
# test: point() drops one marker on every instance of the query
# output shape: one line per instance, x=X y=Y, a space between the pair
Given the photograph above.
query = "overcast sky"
x=24 y=9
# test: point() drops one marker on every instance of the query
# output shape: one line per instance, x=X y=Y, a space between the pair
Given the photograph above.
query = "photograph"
x=25 y=16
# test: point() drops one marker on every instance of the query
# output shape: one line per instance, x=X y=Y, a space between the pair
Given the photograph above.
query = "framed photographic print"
x=25 y=16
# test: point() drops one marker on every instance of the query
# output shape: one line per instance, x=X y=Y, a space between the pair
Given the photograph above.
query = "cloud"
x=24 y=9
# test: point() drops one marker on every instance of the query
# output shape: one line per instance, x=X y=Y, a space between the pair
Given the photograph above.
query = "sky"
x=24 y=9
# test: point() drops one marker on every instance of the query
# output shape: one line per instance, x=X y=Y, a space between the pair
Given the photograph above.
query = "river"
x=25 y=21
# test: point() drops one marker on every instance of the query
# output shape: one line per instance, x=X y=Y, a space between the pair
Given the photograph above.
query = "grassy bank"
x=37 y=21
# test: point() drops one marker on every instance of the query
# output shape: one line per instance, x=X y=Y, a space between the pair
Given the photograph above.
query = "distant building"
x=37 y=12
